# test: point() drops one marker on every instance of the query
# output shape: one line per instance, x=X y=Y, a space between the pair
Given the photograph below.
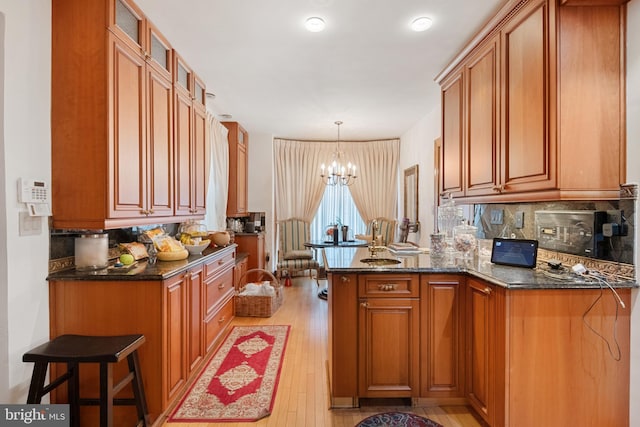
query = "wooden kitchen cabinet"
x=542 y=105
x=481 y=150
x=237 y=204
x=533 y=359
x=218 y=299
x=388 y=318
x=183 y=318
x=176 y=303
x=190 y=144
x=485 y=350
x=195 y=343
x=527 y=153
x=112 y=117
x=254 y=245
x=442 y=336
x=452 y=148
x=239 y=279
x=342 y=301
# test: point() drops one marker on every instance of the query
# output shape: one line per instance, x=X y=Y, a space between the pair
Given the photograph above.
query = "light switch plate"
x=519 y=219
x=497 y=216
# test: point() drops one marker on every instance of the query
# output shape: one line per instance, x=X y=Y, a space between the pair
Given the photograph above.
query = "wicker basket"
x=259 y=305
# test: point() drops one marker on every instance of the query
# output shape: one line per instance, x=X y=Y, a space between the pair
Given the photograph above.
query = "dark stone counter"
x=161 y=270
x=348 y=260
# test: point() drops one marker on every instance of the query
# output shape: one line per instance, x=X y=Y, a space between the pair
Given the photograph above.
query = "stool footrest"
x=86 y=401
x=55 y=383
x=126 y=380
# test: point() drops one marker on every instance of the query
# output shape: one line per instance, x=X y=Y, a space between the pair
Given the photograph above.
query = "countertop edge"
x=164 y=274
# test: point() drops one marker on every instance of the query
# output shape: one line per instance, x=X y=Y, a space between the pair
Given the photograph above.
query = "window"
x=337 y=206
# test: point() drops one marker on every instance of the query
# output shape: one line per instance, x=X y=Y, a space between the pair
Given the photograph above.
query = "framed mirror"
x=411 y=197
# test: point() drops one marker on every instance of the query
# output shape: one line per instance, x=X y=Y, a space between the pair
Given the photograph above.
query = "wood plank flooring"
x=302 y=398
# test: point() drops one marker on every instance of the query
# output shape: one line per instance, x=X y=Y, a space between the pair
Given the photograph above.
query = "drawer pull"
x=386 y=287
x=222 y=285
x=364 y=304
x=220 y=261
x=222 y=319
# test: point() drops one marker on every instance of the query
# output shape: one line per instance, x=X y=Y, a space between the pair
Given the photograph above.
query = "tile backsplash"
x=62 y=243
x=619 y=248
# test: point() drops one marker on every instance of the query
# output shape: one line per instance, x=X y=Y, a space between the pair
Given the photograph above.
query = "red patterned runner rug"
x=240 y=381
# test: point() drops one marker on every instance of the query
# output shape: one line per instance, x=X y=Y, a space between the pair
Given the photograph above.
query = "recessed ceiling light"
x=421 y=24
x=314 y=24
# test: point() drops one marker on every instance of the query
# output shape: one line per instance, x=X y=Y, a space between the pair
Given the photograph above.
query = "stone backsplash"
x=62 y=243
x=620 y=248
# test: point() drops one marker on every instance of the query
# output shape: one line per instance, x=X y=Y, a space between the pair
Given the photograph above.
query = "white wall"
x=633 y=175
x=25 y=151
x=260 y=183
x=416 y=147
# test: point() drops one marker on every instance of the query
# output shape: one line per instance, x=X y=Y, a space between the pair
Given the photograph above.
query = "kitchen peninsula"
x=520 y=347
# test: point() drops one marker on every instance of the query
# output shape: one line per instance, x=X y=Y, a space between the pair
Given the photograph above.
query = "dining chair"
x=386 y=229
x=293 y=256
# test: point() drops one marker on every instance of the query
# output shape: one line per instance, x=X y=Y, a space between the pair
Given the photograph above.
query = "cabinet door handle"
x=221 y=285
x=222 y=319
x=386 y=287
x=498 y=188
x=344 y=279
x=220 y=262
x=487 y=290
x=143 y=212
x=364 y=304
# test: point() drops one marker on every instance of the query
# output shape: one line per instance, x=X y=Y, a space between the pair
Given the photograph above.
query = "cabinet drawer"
x=216 y=289
x=389 y=285
x=218 y=264
x=217 y=322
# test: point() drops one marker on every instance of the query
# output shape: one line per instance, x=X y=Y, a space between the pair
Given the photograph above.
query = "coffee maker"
x=257 y=219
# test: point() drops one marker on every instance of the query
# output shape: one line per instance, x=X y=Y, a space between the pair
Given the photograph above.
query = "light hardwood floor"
x=302 y=398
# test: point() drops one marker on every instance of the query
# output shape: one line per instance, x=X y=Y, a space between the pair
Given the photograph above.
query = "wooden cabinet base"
x=164 y=312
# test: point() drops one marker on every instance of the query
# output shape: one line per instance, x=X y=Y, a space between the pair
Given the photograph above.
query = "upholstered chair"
x=386 y=229
x=293 y=256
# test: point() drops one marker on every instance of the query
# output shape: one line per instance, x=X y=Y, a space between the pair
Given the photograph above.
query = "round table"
x=315 y=244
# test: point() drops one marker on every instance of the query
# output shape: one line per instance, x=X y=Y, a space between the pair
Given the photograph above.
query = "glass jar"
x=449 y=216
x=91 y=252
x=465 y=240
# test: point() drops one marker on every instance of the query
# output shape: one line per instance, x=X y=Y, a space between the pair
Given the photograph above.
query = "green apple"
x=127 y=259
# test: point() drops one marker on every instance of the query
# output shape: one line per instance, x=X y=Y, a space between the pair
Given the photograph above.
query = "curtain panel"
x=218 y=175
x=299 y=188
x=375 y=192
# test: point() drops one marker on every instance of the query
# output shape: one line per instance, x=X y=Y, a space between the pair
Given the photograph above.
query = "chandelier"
x=337 y=173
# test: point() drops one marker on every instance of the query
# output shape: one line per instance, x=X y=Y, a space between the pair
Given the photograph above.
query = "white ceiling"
x=367 y=68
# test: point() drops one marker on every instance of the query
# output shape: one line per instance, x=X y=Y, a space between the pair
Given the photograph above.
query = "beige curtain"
x=298 y=187
x=375 y=192
x=218 y=175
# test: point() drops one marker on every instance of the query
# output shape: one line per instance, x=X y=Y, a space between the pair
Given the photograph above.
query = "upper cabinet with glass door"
x=130 y=25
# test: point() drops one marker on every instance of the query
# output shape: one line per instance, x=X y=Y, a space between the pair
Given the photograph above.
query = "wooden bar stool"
x=76 y=349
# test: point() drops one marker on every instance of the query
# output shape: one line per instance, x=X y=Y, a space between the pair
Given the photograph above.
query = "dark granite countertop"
x=348 y=260
x=161 y=270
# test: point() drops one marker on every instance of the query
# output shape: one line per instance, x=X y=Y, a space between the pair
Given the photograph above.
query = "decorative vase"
x=345 y=233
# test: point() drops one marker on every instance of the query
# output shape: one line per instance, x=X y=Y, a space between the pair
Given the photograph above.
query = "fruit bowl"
x=197 y=249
